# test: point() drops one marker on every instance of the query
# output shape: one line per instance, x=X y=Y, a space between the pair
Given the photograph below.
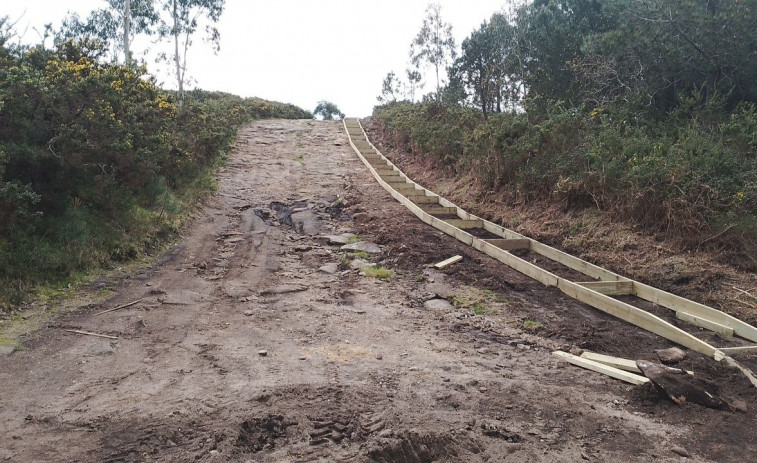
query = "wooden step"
x=510 y=245
x=439 y=210
x=465 y=224
x=424 y=199
x=610 y=288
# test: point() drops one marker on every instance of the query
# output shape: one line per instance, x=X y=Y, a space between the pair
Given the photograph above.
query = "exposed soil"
x=241 y=349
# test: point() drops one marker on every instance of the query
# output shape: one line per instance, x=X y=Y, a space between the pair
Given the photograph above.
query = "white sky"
x=296 y=51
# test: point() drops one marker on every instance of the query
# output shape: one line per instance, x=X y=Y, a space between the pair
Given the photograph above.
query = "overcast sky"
x=296 y=51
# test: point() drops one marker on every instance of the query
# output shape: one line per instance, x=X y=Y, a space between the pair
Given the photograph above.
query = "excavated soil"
x=244 y=347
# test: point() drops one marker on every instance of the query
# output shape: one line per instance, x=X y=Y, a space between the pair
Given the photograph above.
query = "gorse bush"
x=96 y=161
x=691 y=176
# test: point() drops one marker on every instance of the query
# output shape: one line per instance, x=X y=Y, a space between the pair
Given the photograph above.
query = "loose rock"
x=329 y=268
x=262 y=353
x=670 y=356
x=7 y=350
x=438 y=304
x=364 y=246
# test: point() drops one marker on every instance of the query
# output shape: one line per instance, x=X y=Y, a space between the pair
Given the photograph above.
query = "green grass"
x=360 y=255
x=353 y=239
x=299 y=159
x=379 y=272
x=532 y=325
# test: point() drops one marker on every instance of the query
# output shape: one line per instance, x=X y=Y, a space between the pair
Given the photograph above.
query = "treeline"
x=643 y=109
x=97 y=162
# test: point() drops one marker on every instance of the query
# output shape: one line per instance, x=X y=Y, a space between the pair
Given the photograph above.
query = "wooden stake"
x=119 y=307
x=91 y=334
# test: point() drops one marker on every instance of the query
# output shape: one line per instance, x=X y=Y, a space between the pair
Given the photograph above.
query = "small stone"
x=7 y=350
x=379 y=356
x=739 y=406
x=577 y=351
x=483 y=350
x=101 y=349
x=262 y=353
x=364 y=246
x=413 y=368
x=523 y=346
x=670 y=356
x=360 y=264
x=302 y=248
x=680 y=451
x=302 y=357
x=248 y=312
x=386 y=433
x=458 y=315
x=437 y=304
x=329 y=268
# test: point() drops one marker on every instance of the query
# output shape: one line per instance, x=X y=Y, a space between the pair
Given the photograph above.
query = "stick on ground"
x=119 y=307
x=91 y=334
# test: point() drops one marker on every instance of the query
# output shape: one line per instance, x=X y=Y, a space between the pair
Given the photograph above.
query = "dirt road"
x=255 y=340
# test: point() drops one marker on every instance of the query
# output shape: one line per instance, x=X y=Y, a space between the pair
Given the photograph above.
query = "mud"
x=243 y=350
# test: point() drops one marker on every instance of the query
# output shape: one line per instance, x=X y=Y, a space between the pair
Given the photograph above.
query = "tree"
x=414 y=79
x=391 y=88
x=434 y=44
x=115 y=25
x=180 y=22
x=328 y=110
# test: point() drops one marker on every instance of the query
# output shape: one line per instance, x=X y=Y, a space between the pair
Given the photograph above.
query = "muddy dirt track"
x=248 y=346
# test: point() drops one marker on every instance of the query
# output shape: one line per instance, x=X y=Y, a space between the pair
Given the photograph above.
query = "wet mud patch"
x=258 y=434
x=422 y=447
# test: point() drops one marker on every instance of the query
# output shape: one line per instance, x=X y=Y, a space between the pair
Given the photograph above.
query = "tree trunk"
x=177 y=57
x=127 y=31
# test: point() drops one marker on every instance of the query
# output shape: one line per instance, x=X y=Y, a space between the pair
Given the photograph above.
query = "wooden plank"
x=739 y=350
x=527 y=268
x=510 y=245
x=448 y=262
x=415 y=193
x=425 y=199
x=464 y=224
x=680 y=304
x=609 y=288
x=602 y=368
x=617 y=362
x=439 y=210
x=575 y=263
x=722 y=330
x=638 y=317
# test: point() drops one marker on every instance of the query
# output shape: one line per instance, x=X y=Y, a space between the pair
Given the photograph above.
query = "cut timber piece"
x=403 y=186
x=739 y=350
x=511 y=245
x=465 y=224
x=610 y=288
x=617 y=362
x=680 y=304
x=722 y=330
x=623 y=364
x=418 y=193
x=613 y=372
x=574 y=263
x=425 y=199
x=393 y=179
x=638 y=317
x=439 y=210
x=448 y=262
